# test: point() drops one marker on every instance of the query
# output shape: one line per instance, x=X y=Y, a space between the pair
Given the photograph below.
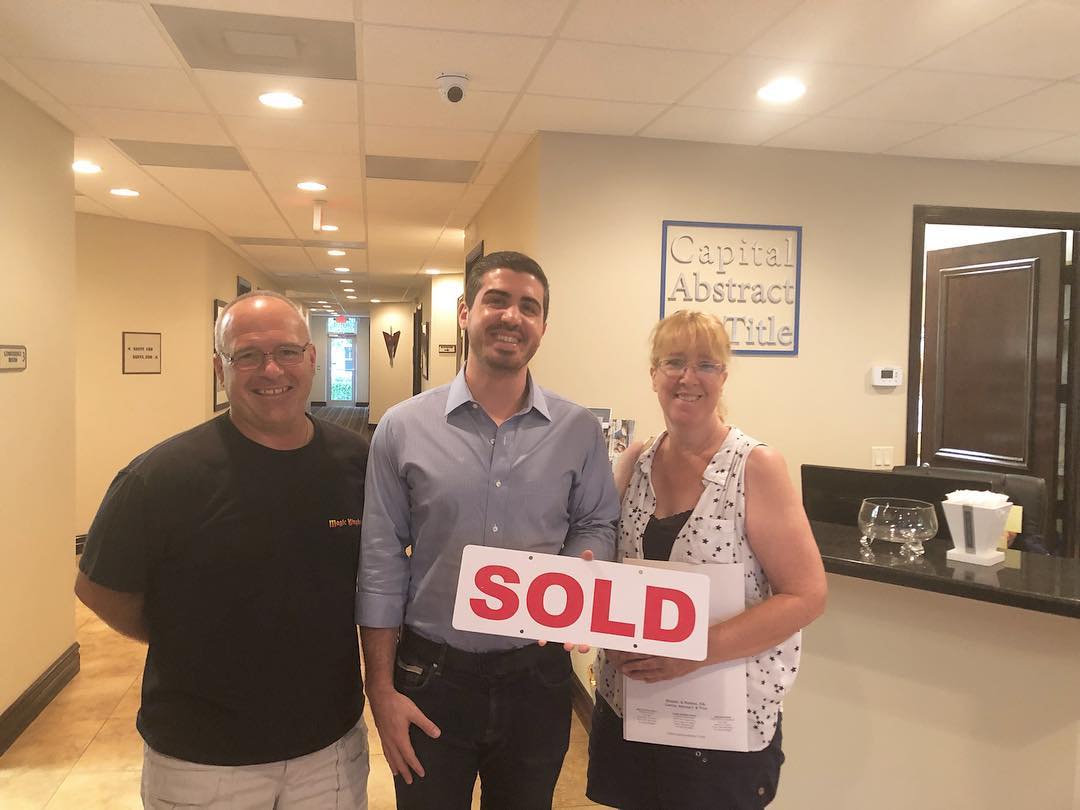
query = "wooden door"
x=992 y=357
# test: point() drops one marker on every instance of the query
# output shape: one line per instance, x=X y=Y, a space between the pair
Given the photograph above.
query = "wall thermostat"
x=886 y=376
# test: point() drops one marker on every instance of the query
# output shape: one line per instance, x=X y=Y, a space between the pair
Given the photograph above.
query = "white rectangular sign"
x=707 y=708
x=619 y=606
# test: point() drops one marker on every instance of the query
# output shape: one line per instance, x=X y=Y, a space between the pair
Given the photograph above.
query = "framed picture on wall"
x=425 y=348
x=242 y=285
x=221 y=399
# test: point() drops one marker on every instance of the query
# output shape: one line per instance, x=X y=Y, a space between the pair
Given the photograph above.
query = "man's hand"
x=394 y=713
x=619 y=659
x=653 y=668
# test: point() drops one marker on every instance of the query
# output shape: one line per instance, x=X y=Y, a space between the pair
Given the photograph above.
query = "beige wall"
x=441 y=310
x=601 y=201
x=37 y=406
x=509 y=218
x=138 y=277
x=390 y=384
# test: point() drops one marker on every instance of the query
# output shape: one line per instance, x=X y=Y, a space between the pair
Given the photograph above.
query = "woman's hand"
x=653 y=668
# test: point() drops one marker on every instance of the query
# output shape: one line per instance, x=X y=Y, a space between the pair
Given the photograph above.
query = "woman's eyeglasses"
x=287 y=354
x=677 y=366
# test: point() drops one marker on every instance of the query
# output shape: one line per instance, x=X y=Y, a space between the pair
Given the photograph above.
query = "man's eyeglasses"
x=676 y=367
x=287 y=354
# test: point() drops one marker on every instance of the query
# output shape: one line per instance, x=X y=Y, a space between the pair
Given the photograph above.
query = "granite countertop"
x=1028 y=581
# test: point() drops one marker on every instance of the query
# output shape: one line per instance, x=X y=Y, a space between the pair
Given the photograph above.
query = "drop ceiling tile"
x=735 y=85
x=21 y=83
x=1056 y=107
x=232 y=201
x=321 y=136
x=874 y=32
x=1037 y=40
x=144 y=125
x=1065 y=151
x=974 y=143
x=348 y=217
x=850 y=135
x=469 y=205
x=312 y=9
x=354 y=258
x=304 y=165
x=279 y=259
x=508 y=145
x=556 y=114
x=387 y=105
x=620 y=72
x=425 y=142
x=230 y=93
x=531 y=17
x=721 y=126
x=491 y=173
x=721 y=26
x=83 y=31
x=918 y=95
x=123 y=86
x=417 y=202
x=415 y=57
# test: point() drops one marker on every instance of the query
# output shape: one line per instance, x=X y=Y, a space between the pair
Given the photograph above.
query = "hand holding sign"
x=621 y=607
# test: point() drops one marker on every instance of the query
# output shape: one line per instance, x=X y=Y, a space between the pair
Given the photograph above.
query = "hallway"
x=83 y=753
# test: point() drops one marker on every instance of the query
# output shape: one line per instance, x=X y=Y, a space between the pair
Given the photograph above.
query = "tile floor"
x=83 y=751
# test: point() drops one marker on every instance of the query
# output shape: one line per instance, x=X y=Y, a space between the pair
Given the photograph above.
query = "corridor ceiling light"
x=431 y=271
x=351 y=297
x=322 y=302
x=376 y=300
x=335 y=253
x=311 y=185
x=342 y=269
x=281 y=100
x=345 y=280
x=85 y=167
x=782 y=90
x=123 y=192
x=329 y=227
x=348 y=289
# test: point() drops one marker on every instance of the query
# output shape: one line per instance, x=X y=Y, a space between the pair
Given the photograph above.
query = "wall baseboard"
x=32 y=702
x=582 y=702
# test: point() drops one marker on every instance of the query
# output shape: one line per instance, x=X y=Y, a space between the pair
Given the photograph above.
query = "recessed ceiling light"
x=342 y=269
x=335 y=253
x=351 y=297
x=431 y=271
x=376 y=300
x=85 y=167
x=123 y=192
x=329 y=227
x=281 y=100
x=311 y=185
x=348 y=289
x=345 y=280
x=322 y=302
x=782 y=90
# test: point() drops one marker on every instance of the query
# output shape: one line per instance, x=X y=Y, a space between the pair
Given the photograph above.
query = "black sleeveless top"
x=660 y=534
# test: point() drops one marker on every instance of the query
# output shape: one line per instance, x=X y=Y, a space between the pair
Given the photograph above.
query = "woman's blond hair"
x=685 y=332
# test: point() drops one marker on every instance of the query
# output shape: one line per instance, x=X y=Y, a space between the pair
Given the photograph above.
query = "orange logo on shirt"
x=338 y=523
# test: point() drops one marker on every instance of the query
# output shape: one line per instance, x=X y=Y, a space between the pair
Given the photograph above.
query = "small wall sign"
x=746 y=275
x=447 y=348
x=12 y=358
x=142 y=353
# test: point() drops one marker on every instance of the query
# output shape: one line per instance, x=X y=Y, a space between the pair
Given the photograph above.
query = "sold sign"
x=618 y=606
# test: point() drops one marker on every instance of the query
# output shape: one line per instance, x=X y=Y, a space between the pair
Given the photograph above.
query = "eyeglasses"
x=676 y=366
x=287 y=354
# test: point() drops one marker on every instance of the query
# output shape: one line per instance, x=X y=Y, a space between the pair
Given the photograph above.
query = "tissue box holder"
x=976 y=543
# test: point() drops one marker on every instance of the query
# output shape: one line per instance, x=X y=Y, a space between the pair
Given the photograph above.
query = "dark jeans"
x=503 y=716
x=645 y=776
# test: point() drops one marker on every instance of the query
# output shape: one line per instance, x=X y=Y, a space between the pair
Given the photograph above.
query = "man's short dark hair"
x=507 y=260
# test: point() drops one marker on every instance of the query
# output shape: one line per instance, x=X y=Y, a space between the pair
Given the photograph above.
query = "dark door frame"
x=924 y=215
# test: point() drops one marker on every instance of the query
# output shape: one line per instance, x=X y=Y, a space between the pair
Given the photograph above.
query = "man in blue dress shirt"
x=489 y=459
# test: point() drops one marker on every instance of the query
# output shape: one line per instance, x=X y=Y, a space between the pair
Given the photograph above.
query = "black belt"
x=490 y=664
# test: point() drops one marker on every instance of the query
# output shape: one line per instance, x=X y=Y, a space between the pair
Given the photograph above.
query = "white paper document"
x=707 y=708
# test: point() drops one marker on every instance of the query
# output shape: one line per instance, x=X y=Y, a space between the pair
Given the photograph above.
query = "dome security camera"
x=452 y=86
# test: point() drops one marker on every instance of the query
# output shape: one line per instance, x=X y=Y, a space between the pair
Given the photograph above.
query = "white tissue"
x=984 y=499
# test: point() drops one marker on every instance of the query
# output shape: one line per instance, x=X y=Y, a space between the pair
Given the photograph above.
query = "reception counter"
x=936 y=685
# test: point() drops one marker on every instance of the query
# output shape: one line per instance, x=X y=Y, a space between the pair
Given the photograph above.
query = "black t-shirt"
x=660 y=534
x=247 y=557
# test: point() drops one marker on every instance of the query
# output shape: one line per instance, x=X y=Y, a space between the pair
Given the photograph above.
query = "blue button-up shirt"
x=441 y=476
